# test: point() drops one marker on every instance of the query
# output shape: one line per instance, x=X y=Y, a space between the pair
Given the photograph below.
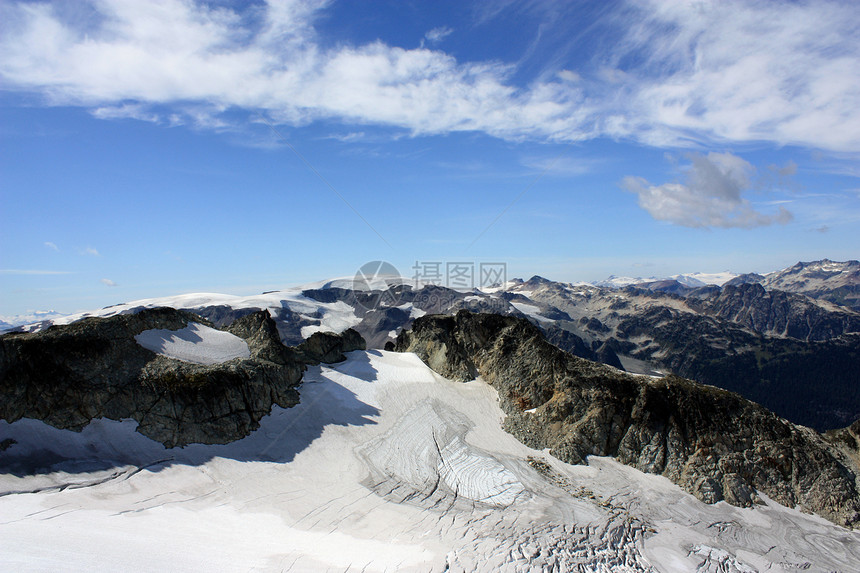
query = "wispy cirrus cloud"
x=32 y=272
x=90 y=252
x=563 y=166
x=438 y=34
x=711 y=195
x=51 y=246
x=674 y=73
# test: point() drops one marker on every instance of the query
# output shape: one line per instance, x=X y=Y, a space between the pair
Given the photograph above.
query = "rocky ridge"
x=794 y=354
x=713 y=443
x=834 y=281
x=70 y=374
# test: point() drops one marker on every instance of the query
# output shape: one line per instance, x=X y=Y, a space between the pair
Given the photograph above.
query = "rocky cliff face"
x=793 y=354
x=778 y=313
x=713 y=443
x=836 y=281
x=68 y=375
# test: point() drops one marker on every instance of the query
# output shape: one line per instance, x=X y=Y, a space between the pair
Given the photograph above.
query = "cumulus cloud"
x=675 y=72
x=108 y=282
x=711 y=195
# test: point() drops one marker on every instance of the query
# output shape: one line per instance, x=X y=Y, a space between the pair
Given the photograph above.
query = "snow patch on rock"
x=196 y=343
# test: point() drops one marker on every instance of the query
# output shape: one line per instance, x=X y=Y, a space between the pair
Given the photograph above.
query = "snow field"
x=383 y=465
x=196 y=343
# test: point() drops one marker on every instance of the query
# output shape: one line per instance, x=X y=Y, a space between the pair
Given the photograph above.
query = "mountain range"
x=660 y=426
x=793 y=352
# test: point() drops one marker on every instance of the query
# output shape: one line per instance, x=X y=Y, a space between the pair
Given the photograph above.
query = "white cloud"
x=52 y=246
x=779 y=72
x=108 y=282
x=438 y=34
x=90 y=251
x=32 y=272
x=710 y=196
x=744 y=71
x=563 y=166
x=126 y=111
x=347 y=137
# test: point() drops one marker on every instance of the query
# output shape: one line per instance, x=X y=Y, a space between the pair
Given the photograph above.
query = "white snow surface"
x=702 y=279
x=196 y=343
x=382 y=466
x=688 y=279
x=613 y=281
x=530 y=310
x=332 y=317
x=28 y=318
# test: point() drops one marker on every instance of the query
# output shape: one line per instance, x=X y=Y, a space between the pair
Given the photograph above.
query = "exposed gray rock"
x=746 y=278
x=328 y=347
x=713 y=443
x=778 y=313
x=377 y=325
x=68 y=375
x=835 y=281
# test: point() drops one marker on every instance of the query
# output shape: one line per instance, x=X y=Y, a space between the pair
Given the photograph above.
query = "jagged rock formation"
x=746 y=278
x=778 y=313
x=713 y=443
x=795 y=355
x=835 y=281
x=327 y=347
x=68 y=375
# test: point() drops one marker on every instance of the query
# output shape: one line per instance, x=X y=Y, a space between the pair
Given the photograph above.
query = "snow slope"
x=702 y=279
x=383 y=465
x=688 y=279
x=331 y=317
x=196 y=343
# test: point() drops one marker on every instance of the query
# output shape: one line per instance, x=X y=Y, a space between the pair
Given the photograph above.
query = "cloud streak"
x=678 y=74
x=32 y=272
x=438 y=34
x=710 y=196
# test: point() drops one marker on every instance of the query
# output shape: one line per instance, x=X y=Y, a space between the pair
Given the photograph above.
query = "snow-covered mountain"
x=692 y=280
x=383 y=465
x=613 y=281
x=835 y=281
x=702 y=279
x=660 y=326
x=10 y=322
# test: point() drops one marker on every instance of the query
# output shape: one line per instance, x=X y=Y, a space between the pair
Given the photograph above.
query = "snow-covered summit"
x=383 y=465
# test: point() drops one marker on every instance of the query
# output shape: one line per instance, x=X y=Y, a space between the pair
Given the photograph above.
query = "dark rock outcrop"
x=93 y=368
x=327 y=347
x=746 y=278
x=573 y=344
x=777 y=313
x=713 y=443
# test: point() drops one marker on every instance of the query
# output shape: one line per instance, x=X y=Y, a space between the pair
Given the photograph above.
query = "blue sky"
x=154 y=148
